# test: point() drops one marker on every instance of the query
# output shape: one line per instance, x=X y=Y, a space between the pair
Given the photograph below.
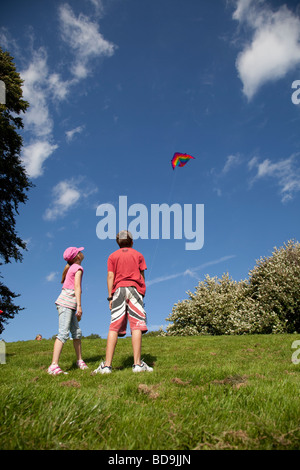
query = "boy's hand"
x=110 y=304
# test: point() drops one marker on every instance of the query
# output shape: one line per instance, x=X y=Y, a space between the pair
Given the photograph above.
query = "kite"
x=180 y=159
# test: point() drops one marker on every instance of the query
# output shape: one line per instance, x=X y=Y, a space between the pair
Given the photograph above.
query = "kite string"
x=156 y=247
x=172 y=186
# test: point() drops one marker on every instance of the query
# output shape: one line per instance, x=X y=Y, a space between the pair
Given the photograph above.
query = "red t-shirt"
x=127 y=264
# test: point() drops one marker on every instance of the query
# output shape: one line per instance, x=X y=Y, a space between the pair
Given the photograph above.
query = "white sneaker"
x=143 y=367
x=102 y=369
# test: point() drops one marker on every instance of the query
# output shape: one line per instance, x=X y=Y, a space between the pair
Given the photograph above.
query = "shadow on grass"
x=89 y=360
x=127 y=362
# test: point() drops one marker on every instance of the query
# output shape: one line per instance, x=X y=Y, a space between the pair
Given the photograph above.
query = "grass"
x=226 y=392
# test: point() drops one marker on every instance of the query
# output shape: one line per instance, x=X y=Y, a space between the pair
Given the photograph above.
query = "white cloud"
x=35 y=89
x=83 y=37
x=34 y=156
x=286 y=173
x=38 y=122
x=274 y=49
x=8 y=42
x=192 y=272
x=231 y=162
x=99 y=7
x=42 y=88
x=65 y=196
x=70 y=134
x=51 y=277
x=58 y=87
x=242 y=9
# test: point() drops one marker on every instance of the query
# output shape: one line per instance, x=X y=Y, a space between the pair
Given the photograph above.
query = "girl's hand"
x=79 y=313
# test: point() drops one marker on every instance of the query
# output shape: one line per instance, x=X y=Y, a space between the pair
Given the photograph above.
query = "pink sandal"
x=81 y=364
x=54 y=369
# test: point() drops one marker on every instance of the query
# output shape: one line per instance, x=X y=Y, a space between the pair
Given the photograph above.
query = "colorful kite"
x=180 y=159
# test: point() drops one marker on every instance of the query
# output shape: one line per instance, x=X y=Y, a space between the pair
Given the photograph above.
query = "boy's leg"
x=137 y=319
x=136 y=339
x=112 y=339
x=136 y=313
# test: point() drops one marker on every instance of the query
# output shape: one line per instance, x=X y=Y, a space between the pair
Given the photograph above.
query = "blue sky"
x=115 y=88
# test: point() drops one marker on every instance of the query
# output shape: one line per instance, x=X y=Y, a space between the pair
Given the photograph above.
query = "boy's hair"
x=124 y=239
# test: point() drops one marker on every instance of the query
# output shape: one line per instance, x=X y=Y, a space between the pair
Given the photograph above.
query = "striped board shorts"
x=127 y=304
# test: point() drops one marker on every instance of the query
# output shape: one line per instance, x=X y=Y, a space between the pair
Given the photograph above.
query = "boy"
x=126 y=290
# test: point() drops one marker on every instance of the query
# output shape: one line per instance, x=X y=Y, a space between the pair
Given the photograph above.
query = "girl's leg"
x=64 y=319
x=58 y=345
x=77 y=347
x=76 y=335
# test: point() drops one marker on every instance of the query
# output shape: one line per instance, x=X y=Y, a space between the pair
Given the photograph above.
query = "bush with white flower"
x=268 y=302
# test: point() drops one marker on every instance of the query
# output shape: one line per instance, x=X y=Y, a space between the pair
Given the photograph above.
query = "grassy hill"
x=225 y=392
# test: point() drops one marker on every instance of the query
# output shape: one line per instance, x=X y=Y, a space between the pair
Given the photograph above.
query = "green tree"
x=14 y=182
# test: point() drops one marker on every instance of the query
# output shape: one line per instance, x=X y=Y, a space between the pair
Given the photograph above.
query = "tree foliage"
x=268 y=302
x=14 y=182
x=275 y=285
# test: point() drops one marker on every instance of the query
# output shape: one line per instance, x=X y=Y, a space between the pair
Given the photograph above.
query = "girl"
x=69 y=309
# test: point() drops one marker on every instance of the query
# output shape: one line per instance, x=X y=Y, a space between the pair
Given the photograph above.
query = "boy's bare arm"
x=142 y=273
x=110 y=283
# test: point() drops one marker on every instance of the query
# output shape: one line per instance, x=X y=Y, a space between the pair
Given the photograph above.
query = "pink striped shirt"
x=67 y=296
